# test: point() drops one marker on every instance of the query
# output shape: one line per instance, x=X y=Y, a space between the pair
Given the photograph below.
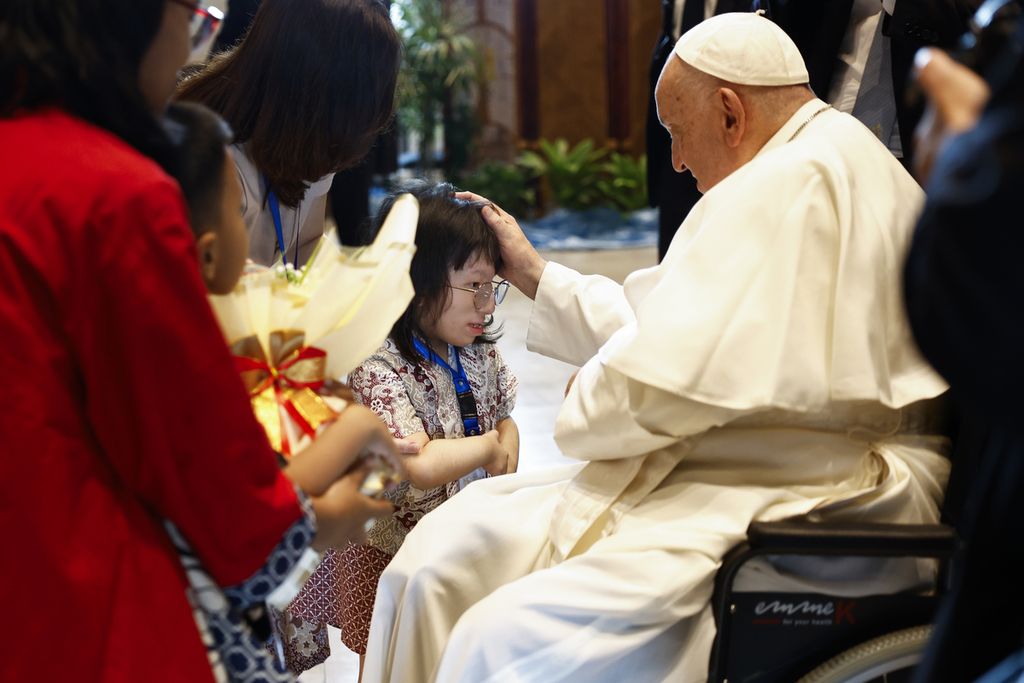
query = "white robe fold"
x=763 y=370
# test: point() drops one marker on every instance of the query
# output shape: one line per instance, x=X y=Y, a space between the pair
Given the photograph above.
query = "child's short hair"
x=449 y=233
x=200 y=138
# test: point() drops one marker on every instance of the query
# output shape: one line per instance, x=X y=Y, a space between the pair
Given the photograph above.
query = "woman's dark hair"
x=308 y=88
x=82 y=56
x=450 y=232
x=199 y=137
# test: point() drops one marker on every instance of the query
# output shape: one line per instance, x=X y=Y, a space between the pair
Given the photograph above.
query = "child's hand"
x=499 y=456
x=342 y=512
x=407 y=446
x=511 y=459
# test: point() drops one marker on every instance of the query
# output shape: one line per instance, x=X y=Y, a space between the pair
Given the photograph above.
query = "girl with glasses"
x=439 y=381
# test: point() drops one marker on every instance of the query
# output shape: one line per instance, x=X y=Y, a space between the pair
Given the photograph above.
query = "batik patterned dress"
x=413 y=398
x=227 y=618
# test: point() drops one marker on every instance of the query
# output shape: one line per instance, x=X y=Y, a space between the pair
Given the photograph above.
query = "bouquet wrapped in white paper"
x=294 y=333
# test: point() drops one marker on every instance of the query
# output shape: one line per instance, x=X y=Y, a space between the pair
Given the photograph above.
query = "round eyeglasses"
x=205 y=22
x=483 y=292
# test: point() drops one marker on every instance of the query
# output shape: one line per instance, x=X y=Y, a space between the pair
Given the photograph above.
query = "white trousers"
x=473 y=595
x=469 y=596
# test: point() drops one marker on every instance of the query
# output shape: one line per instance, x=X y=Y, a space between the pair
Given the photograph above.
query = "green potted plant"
x=441 y=65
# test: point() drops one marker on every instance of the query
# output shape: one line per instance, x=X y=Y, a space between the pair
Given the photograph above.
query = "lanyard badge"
x=275 y=213
x=463 y=392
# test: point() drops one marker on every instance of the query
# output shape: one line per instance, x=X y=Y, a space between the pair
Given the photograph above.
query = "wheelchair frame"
x=778 y=637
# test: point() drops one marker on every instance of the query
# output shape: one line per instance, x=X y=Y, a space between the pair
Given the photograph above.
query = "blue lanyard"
x=463 y=391
x=275 y=212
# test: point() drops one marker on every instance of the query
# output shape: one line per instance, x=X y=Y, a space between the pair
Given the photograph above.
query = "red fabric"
x=119 y=405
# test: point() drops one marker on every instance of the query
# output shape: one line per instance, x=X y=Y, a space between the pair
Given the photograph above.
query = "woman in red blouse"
x=119 y=405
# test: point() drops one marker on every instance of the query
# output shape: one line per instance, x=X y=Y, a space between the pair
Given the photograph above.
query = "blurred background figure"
x=236 y=22
x=350 y=192
x=964 y=288
x=207 y=22
x=674 y=193
x=859 y=54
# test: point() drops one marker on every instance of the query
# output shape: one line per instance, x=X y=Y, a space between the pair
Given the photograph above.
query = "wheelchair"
x=781 y=637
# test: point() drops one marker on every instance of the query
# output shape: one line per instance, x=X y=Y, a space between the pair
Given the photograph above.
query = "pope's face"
x=686 y=109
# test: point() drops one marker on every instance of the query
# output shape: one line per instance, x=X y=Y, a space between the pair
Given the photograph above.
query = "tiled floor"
x=541 y=385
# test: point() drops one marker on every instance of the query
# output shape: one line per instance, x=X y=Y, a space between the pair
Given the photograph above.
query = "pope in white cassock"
x=763 y=370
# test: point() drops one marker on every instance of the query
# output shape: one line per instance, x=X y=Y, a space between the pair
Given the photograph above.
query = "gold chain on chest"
x=809 y=119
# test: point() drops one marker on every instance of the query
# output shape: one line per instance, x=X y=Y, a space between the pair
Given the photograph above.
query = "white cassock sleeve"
x=608 y=415
x=574 y=314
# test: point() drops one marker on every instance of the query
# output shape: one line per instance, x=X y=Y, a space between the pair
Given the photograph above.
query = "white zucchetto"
x=745 y=48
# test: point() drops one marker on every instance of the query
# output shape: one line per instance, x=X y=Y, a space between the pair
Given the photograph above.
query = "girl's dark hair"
x=308 y=88
x=449 y=233
x=82 y=56
x=199 y=137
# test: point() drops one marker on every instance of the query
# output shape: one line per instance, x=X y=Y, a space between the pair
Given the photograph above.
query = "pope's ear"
x=733 y=116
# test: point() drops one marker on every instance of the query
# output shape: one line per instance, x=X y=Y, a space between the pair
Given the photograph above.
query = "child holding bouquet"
x=203 y=168
x=122 y=406
x=438 y=381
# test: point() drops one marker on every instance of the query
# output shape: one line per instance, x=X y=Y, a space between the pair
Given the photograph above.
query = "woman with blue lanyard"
x=306 y=91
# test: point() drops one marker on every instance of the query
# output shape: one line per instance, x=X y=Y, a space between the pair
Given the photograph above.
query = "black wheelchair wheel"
x=885 y=659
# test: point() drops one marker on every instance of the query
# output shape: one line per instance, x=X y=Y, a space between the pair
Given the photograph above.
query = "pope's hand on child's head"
x=522 y=265
x=342 y=512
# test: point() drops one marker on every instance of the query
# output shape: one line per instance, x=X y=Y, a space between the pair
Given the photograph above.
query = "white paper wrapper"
x=344 y=301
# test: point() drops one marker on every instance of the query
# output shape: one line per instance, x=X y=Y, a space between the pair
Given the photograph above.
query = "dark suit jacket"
x=818 y=26
x=673 y=193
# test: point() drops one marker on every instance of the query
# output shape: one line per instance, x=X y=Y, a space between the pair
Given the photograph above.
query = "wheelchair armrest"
x=799 y=537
